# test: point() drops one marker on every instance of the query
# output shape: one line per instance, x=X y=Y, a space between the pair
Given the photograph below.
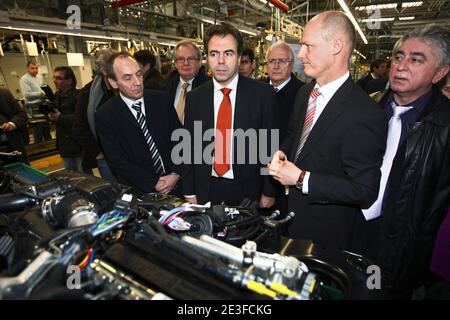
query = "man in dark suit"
x=280 y=62
x=12 y=120
x=336 y=138
x=378 y=69
x=188 y=60
x=228 y=104
x=135 y=127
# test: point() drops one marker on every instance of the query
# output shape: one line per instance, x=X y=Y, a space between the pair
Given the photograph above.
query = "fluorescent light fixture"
x=377 y=6
x=412 y=4
x=252 y=33
x=407 y=18
x=352 y=19
x=377 y=19
x=359 y=53
x=75 y=34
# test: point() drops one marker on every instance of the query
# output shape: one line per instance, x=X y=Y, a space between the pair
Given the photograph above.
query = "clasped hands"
x=283 y=170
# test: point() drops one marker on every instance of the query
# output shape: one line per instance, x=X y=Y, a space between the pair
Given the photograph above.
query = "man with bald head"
x=330 y=161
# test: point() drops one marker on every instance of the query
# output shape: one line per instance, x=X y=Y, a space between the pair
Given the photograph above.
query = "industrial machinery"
x=77 y=236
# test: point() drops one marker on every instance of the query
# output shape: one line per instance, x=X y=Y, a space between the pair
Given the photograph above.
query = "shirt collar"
x=283 y=84
x=232 y=85
x=130 y=102
x=328 y=90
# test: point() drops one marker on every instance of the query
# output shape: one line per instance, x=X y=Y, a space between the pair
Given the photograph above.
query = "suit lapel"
x=328 y=116
x=240 y=109
x=125 y=112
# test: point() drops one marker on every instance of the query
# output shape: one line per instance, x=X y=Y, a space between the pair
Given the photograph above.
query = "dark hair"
x=68 y=74
x=222 y=30
x=249 y=53
x=145 y=57
x=110 y=63
x=31 y=61
x=376 y=64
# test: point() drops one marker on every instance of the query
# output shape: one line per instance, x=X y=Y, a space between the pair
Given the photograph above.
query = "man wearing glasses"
x=188 y=61
x=280 y=62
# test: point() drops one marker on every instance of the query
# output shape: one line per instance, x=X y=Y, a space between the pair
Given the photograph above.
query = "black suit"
x=124 y=144
x=10 y=111
x=364 y=81
x=286 y=98
x=254 y=108
x=343 y=153
x=172 y=84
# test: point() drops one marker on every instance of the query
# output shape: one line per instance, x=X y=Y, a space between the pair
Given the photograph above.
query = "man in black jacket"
x=280 y=62
x=135 y=130
x=12 y=119
x=331 y=158
x=65 y=101
x=228 y=106
x=189 y=75
x=415 y=186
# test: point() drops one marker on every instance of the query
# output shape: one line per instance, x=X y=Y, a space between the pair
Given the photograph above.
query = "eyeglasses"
x=183 y=60
x=58 y=78
x=245 y=61
x=281 y=62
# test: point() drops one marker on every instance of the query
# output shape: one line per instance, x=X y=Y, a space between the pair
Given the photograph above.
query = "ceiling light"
x=377 y=19
x=352 y=19
x=407 y=18
x=377 y=7
x=412 y=4
x=75 y=34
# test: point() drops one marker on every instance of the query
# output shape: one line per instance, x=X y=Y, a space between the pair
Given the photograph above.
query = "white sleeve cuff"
x=305 y=187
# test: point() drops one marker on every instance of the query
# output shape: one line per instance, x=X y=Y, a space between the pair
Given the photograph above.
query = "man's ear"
x=440 y=73
x=113 y=83
x=338 y=45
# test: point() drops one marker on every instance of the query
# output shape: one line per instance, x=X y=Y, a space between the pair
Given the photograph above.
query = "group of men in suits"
x=341 y=181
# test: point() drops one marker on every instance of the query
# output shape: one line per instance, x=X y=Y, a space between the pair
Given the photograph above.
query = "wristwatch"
x=299 y=184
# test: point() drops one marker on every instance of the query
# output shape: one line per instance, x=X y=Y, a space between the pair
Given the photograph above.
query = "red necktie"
x=223 y=135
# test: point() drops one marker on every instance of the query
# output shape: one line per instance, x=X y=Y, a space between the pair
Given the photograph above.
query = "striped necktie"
x=309 y=120
x=156 y=157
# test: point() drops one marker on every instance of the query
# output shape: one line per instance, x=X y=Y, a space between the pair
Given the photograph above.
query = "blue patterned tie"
x=156 y=157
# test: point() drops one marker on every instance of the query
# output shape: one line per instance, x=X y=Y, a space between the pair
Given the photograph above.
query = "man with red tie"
x=226 y=106
x=330 y=161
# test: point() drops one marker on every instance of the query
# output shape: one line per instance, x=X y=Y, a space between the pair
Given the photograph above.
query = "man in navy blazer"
x=250 y=105
x=138 y=158
x=330 y=161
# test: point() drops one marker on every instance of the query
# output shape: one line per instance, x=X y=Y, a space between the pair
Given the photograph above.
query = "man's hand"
x=54 y=116
x=266 y=202
x=7 y=127
x=283 y=170
x=167 y=183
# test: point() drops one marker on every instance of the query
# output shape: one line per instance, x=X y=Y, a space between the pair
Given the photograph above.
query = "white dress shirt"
x=218 y=97
x=130 y=102
x=282 y=85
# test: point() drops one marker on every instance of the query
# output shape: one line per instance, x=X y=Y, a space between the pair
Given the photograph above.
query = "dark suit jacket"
x=255 y=103
x=10 y=111
x=123 y=142
x=172 y=84
x=286 y=98
x=364 y=81
x=343 y=152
